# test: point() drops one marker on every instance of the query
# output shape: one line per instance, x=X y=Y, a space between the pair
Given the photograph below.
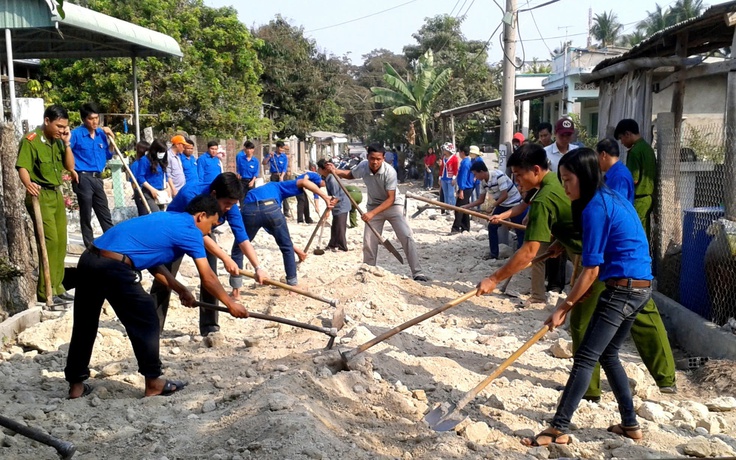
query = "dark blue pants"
x=608 y=328
x=493 y=230
x=91 y=195
x=100 y=278
x=270 y=218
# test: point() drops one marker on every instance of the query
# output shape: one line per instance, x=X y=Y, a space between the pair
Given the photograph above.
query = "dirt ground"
x=259 y=390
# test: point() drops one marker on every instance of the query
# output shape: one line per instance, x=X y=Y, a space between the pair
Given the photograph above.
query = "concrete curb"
x=11 y=327
x=692 y=333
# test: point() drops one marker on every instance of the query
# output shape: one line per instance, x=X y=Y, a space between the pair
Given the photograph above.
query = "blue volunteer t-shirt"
x=614 y=239
x=273 y=191
x=313 y=177
x=232 y=216
x=90 y=155
x=208 y=167
x=155 y=239
x=465 y=178
x=189 y=165
x=619 y=178
x=248 y=169
x=278 y=163
x=144 y=174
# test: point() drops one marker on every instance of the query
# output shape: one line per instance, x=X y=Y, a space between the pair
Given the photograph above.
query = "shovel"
x=540 y=258
x=381 y=239
x=322 y=219
x=421 y=209
x=124 y=161
x=318 y=251
x=38 y=217
x=447 y=416
x=463 y=210
x=332 y=331
x=65 y=449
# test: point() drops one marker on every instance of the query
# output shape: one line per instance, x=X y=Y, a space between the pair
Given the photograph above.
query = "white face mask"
x=160 y=155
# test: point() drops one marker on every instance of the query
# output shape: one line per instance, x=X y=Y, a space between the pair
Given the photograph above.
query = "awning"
x=493 y=103
x=83 y=33
x=325 y=134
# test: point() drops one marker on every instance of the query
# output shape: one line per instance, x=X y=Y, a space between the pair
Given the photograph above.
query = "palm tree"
x=606 y=28
x=687 y=9
x=634 y=38
x=656 y=20
x=413 y=96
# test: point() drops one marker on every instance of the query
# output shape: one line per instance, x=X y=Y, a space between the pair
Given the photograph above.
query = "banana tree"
x=415 y=95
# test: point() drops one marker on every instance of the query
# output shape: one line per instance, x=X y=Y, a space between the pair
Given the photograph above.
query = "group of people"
x=577 y=201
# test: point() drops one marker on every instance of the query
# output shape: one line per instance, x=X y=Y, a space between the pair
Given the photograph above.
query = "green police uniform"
x=550 y=214
x=643 y=166
x=42 y=158
x=358 y=198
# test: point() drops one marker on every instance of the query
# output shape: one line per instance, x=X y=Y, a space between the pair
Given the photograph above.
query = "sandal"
x=631 y=432
x=171 y=387
x=555 y=436
x=87 y=389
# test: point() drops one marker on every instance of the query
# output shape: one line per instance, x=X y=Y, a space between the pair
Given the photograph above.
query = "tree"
x=299 y=80
x=633 y=39
x=656 y=20
x=687 y=9
x=416 y=96
x=606 y=28
x=213 y=91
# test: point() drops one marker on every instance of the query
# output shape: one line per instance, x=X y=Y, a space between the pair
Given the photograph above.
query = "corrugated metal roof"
x=657 y=45
x=37 y=33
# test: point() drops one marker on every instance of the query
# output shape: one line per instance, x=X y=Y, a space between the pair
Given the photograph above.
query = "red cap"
x=519 y=137
x=564 y=126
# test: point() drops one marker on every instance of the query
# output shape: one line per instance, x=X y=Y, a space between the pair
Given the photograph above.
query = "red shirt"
x=451 y=164
x=430 y=160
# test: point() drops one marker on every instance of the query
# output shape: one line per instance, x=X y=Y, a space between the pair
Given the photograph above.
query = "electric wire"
x=363 y=17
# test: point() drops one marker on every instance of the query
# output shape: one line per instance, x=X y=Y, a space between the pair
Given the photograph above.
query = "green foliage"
x=213 y=91
x=583 y=136
x=416 y=96
x=606 y=28
x=708 y=146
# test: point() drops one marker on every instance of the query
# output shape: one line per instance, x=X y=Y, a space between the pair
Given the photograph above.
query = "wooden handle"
x=275 y=319
x=355 y=205
x=322 y=219
x=463 y=210
x=124 y=161
x=469 y=396
x=44 y=250
x=65 y=448
x=294 y=289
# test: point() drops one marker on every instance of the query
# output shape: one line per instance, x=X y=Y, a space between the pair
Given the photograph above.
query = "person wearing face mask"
x=42 y=156
x=151 y=175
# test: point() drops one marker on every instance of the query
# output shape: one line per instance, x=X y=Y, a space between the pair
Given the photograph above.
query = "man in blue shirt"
x=227 y=189
x=91 y=152
x=208 y=164
x=340 y=212
x=247 y=167
x=618 y=177
x=465 y=186
x=189 y=162
x=110 y=270
x=278 y=165
x=262 y=209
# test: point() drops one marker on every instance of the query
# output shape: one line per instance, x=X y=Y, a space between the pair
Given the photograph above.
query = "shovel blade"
x=444 y=417
x=318 y=252
x=387 y=244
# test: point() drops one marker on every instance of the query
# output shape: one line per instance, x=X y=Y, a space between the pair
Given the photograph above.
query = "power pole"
x=509 y=83
x=590 y=26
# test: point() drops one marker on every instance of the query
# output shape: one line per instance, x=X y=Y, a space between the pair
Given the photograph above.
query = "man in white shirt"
x=564 y=130
x=175 y=169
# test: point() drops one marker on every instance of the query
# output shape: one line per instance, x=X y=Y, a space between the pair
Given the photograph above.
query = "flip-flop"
x=87 y=389
x=631 y=432
x=551 y=433
x=171 y=387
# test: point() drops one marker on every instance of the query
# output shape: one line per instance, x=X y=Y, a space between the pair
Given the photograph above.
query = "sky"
x=340 y=27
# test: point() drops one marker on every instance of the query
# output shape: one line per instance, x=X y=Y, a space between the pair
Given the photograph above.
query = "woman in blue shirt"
x=151 y=175
x=615 y=250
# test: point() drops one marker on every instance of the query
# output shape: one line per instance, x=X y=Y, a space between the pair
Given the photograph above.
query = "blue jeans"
x=493 y=230
x=608 y=328
x=448 y=190
x=428 y=179
x=270 y=218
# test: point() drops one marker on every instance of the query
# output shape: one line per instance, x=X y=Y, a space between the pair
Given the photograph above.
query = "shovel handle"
x=293 y=289
x=38 y=218
x=410 y=323
x=322 y=219
x=275 y=319
x=130 y=173
x=470 y=395
x=463 y=210
x=355 y=205
x=65 y=449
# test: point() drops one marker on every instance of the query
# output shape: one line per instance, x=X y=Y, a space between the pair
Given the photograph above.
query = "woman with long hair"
x=615 y=249
x=151 y=175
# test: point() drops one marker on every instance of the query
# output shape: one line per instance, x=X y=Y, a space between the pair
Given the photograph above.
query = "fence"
x=694 y=246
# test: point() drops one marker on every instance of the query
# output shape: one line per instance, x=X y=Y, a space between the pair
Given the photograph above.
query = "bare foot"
x=163 y=387
x=78 y=390
x=235 y=294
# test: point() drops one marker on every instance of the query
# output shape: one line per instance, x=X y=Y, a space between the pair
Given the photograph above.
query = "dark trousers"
x=556 y=272
x=337 y=232
x=285 y=203
x=493 y=230
x=91 y=195
x=100 y=278
x=302 y=208
x=142 y=211
x=246 y=188
x=208 y=319
x=162 y=294
x=462 y=220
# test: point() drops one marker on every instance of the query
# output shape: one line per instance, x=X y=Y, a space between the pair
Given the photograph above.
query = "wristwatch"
x=255 y=269
x=569 y=304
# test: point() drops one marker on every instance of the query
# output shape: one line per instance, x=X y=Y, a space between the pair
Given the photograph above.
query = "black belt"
x=55 y=188
x=91 y=173
x=628 y=283
x=111 y=255
x=265 y=202
x=641 y=196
